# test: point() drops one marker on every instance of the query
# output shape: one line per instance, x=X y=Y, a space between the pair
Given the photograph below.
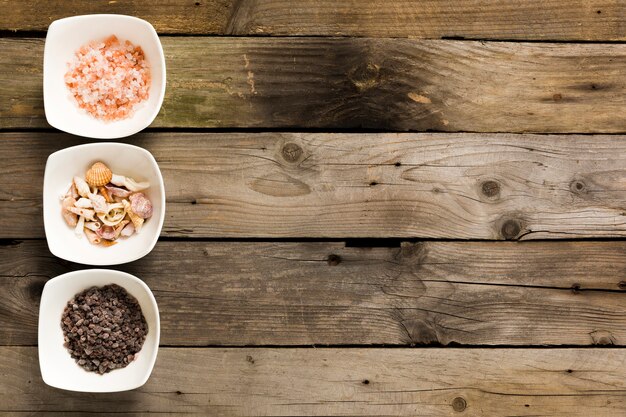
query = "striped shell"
x=98 y=175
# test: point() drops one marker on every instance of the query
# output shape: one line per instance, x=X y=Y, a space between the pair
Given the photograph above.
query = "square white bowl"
x=128 y=160
x=58 y=369
x=64 y=38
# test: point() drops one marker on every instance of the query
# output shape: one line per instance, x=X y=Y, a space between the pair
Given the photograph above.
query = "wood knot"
x=249 y=359
x=365 y=76
x=510 y=229
x=291 y=152
x=557 y=97
x=621 y=285
x=333 y=260
x=490 y=189
x=459 y=404
x=602 y=337
x=578 y=187
x=576 y=288
x=366 y=382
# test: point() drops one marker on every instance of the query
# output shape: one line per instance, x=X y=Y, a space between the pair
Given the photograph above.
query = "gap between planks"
x=322 y=293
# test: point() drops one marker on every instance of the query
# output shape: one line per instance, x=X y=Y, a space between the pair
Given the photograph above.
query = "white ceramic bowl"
x=58 y=369
x=123 y=159
x=64 y=38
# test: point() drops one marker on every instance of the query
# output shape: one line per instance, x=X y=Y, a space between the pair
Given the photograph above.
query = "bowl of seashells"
x=104 y=203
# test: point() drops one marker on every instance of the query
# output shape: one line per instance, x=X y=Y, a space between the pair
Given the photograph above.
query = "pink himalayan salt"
x=109 y=78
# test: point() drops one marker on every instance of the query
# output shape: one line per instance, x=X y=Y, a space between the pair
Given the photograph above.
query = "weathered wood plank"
x=399 y=382
x=167 y=16
x=543 y=293
x=595 y=20
x=478 y=19
x=391 y=84
x=480 y=186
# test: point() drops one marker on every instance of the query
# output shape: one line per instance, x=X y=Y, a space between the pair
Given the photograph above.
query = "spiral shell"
x=98 y=175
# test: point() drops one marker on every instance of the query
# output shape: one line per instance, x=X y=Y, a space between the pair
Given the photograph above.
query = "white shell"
x=78 y=230
x=99 y=203
x=83 y=203
x=129 y=183
x=93 y=226
x=82 y=187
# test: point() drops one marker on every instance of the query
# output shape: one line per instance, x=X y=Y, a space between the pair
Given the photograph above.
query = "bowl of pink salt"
x=104 y=75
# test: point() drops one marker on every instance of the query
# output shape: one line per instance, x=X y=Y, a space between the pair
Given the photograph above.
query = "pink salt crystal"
x=108 y=79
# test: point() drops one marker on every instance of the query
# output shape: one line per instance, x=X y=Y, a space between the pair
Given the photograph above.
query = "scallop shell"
x=98 y=175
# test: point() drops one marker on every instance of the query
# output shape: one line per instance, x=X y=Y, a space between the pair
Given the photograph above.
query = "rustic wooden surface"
x=382 y=84
x=463 y=186
x=323 y=293
x=314 y=263
x=402 y=382
x=596 y=20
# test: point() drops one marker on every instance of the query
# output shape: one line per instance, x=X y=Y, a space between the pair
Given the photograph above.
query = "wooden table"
x=322 y=254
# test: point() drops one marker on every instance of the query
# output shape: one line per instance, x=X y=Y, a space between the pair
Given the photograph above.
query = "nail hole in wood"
x=578 y=186
x=366 y=381
x=333 y=260
x=576 y=288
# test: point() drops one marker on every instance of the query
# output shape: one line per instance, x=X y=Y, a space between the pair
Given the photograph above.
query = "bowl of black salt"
x=98 y=331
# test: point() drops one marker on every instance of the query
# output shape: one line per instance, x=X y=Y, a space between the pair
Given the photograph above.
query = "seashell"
x=81 y=187
x=137 y=221
x=117 y=192
x=74 y=191
x=120 y=227
x=80 y=225
x=110 y=232
x=105 y=194
x=140 y=205
x=93 y=226
x=83 y=203
x=70 y=218
x=128 y=230
x=98 y=175
x=93 y=238
x=129 y=183
x=87 y=213
x=106 y=232
x=114 y=215
x=99 y=203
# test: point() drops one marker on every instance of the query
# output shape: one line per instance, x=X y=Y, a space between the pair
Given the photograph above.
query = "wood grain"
x=461 y=186
x=383 y=84
x=167 y=16
x=256 y=293
x=526 y=19
x=399 y=382
x=595 y=20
